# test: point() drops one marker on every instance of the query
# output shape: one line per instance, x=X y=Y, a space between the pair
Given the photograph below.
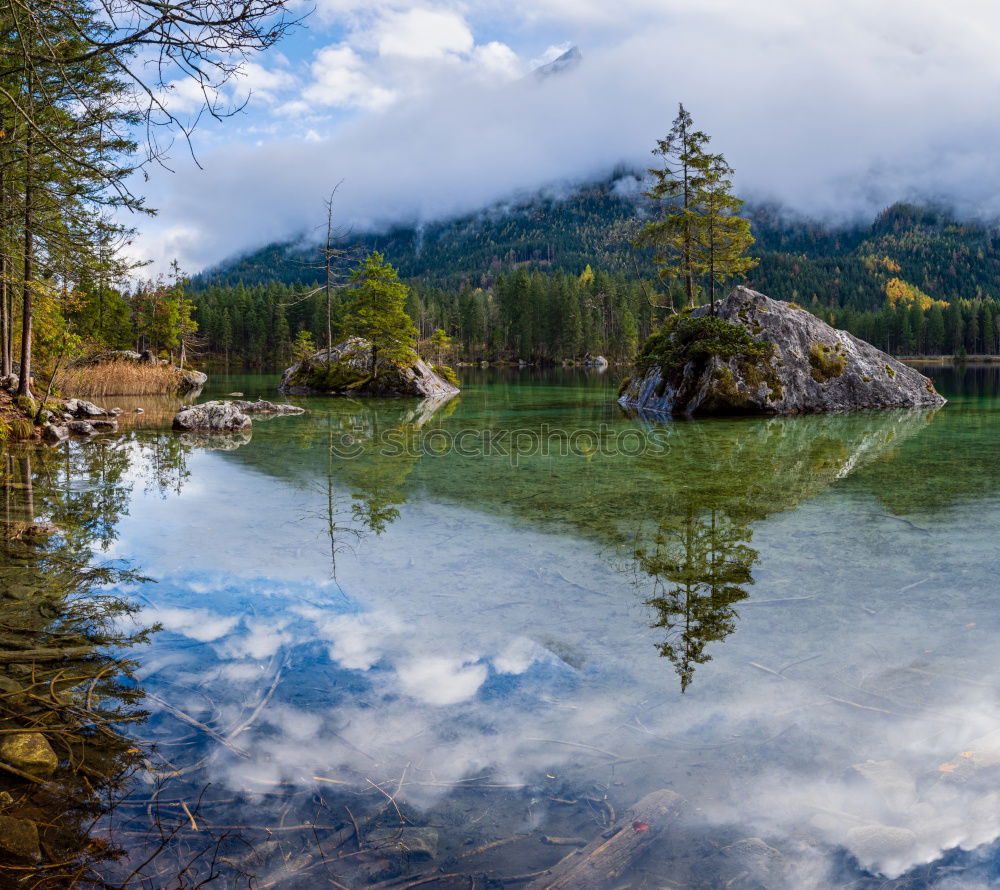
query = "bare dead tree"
x=336 y=255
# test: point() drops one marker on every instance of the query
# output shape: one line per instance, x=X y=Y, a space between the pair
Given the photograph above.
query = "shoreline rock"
x=813 y=368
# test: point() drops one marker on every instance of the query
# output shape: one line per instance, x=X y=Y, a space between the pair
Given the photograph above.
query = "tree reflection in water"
x=66 y=684
x=119 y=810
x=700 y=566
x=80 y=797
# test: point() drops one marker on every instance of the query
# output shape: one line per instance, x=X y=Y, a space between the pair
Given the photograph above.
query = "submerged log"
x=618 y=849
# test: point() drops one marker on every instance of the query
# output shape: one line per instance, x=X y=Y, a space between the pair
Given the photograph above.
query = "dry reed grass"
x=122 y=378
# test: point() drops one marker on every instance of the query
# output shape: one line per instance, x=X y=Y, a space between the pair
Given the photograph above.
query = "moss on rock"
x=446 y=372
x=685 y=338
x=826 y=362
x=335 y=375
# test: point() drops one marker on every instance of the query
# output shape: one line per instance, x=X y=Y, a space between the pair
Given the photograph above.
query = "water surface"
x=459 y=629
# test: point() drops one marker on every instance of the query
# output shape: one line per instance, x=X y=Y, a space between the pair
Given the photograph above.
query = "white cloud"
x=340 y=79
x=196 y=624
x=185 y=95
x=496 y=58
x=423 y=34
x=441 y=680
x=828 y=107
x=264 y=83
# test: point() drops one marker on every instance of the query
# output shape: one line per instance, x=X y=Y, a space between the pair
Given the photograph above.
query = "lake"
x=447 y=645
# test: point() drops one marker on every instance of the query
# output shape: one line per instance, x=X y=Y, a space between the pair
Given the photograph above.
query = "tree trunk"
x=711 y=266
x=603 y=861
x=5 y=319
x=328 y=270
x=688 y=276
x=24 y=378
x=329 y=308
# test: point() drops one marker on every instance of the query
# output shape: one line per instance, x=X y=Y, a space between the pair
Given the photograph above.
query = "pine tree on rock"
x=676 y=191
x=699 y=237
x=377 y=312
x=723 y=236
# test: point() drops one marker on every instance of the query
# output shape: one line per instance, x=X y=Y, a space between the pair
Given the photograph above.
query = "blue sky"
x=424 y=109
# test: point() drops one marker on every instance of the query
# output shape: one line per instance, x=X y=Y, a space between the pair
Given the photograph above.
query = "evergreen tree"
x=953 y=327
x=377 y=313
x=723 y=235
x=986 y=331
x=675 y=193
x=935 y=330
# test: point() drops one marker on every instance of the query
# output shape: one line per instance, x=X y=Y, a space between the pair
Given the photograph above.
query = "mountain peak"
x=561 y=64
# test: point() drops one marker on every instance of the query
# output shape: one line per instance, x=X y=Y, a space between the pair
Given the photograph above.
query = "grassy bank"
x=120 y=378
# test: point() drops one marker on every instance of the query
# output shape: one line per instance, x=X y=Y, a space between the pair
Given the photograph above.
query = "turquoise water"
x=470 y=626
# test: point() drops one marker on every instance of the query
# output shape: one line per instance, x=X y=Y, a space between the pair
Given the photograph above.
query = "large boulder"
x=345 y=369
x=211 y=417
x=805 y=366
x=227 y=416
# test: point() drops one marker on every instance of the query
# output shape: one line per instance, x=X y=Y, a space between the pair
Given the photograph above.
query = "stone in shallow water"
x=19 y=838
x=211 y=417
x=54 y=433
x=83 y=408
x=414 y=843
x=262 y=406
x=80 y=427
x=893 y=782
x=756 y=863
x=192 y=380
x=29 y=751
x=876 y=845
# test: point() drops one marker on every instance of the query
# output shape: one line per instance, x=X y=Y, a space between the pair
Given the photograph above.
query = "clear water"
x=418 y=619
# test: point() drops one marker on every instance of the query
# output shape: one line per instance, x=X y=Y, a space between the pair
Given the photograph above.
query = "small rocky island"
x=345 y=369
x=764 y=356
x=227 y=416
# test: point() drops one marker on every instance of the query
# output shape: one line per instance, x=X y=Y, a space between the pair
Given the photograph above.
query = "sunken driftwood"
x=618 y=849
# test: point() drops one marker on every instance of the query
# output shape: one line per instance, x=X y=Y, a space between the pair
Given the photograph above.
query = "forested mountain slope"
x=800 y=258
x=513 y=279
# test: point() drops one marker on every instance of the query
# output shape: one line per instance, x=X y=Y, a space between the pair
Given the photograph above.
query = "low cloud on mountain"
x=425 y=110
